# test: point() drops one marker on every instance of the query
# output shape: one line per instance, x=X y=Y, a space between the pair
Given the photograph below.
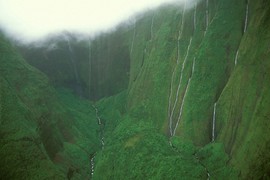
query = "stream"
x=102 y=142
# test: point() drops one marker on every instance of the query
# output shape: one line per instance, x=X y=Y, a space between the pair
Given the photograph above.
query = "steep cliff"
x=185 y=92
x=200 y=74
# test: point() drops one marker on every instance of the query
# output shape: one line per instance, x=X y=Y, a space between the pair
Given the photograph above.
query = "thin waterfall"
x=214 y=122
x=245 y=29
x=170 y=99
x=180 y=81
x=173 y=75
x=90 y=67
x=72 y=59
x=207 y=14
x=193 y=66
x=246 y=18
x=181 y=108
x=92 y=163
x=194 y=17
x=152 y=25
x=236 y=57
x=182 y=22
x=100 y=124
x=133 y=38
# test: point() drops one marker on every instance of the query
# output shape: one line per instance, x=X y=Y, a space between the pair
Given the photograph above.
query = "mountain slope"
x=193 y=86
x=40 y=137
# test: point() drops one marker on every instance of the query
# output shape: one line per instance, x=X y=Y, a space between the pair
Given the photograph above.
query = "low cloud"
x=34 y=19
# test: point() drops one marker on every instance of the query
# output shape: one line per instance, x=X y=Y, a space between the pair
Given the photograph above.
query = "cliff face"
x=194 y=83
x=203 y=66
x=92 y=68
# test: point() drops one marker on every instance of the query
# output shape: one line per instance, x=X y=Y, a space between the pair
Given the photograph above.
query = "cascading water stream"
x=133 y=38
x=236 y=57
x=246 y=18
x=92 y=161
x=194 y=17
x=72 y=59
x=207 y=14
x=173 y=74
x=181 y=108
x=193 y=66
x=214 y=122
x=152 y=26
x=92 y=164
x=180 y=81
x=244 y=30
x=90 y=67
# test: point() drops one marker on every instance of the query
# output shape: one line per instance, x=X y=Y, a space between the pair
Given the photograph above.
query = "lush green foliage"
x=61 y=130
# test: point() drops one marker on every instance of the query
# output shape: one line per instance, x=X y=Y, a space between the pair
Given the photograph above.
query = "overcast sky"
x=33 y=19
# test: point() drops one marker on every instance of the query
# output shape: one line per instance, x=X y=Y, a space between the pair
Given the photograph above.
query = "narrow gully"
x=99 y=122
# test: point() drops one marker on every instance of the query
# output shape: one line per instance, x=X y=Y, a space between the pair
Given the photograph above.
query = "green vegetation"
x=43 y=136
x=52 y=132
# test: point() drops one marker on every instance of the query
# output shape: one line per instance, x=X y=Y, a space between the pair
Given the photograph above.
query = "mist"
x=33 y=19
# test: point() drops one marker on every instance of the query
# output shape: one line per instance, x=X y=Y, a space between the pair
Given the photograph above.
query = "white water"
x=92 y=163
x=152 y=25
x=99 y=123
x=246 y=19
x=181 y=109
x=208 y=174
x=214 y=123
x=173 y=75
x=180 y=81
x=170 y=99
x=236 y=58
x=193 y=66
x=133 y=38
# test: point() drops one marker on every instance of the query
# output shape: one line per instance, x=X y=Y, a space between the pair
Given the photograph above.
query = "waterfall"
x=208 y=174
x=152 y=25
x=214 y=122
x=182 y=22
x=72 y=59
x=92 y=163
x=180 y=81
x=207 y=14
x=133 y=38
x=90 y=67
x=170 y=99
x=193 y=66
x=181 y=108
x=173 y=74
x=100 y=124
x=246 y=18
x=236 y=57
x=194 y=17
